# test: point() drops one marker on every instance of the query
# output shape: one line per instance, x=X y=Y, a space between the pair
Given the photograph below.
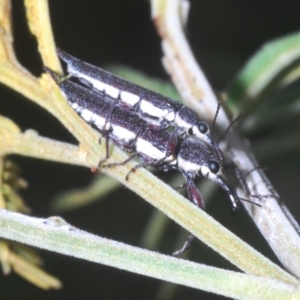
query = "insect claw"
x=185 y=246
x=128 y=174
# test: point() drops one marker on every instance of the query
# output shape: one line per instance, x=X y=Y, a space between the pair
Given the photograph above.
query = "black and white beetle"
x=151 y=106
x=155 y=146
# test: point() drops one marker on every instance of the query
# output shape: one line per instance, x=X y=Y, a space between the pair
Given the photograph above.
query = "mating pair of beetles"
x=161 y=132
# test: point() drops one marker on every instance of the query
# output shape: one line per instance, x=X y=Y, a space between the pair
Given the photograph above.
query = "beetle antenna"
x=255 y=169
x=249 y=201
x=237 y=119
x=215 y=118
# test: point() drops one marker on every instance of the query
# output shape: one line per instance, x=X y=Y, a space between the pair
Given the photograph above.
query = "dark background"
x=223 y=35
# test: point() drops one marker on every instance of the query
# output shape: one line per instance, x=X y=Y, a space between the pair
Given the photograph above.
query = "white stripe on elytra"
x=99 y=85
x=90 y=117
x=96 y=83
x=170 y=117
x=182 y=123
x=126 y=97
x=112 y=91
x=74 y=105
x=87 y=115
x=94 y=119
x=129 y=98
x=145 y=147
x=119 y=132
x=149 y=109
x=123 y=134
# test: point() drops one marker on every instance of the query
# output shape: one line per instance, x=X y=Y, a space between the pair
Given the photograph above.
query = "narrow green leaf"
x=56 y=235
x=277 y=63
x=76 y=198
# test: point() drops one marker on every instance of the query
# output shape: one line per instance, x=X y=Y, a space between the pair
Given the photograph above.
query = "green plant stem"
x=32 y=145
x=56 y=235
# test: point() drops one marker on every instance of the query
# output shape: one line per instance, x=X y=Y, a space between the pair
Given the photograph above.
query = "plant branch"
x=194 y=88
x=56 y=235
x=162 y=197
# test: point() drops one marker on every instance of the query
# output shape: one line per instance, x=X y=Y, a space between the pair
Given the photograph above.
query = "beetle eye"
x=203 y=128
x=214 y=167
